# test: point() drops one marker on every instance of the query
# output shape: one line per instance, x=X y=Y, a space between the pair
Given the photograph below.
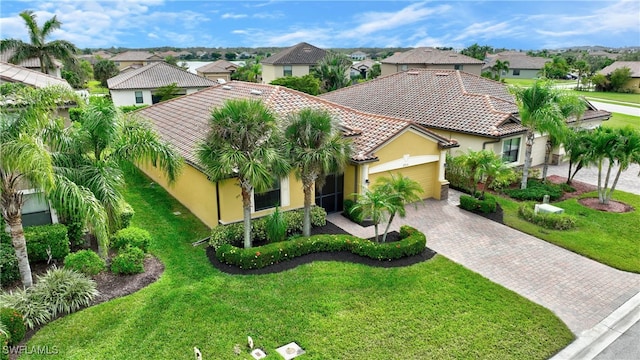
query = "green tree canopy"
x=105 y=69
x=307 y=84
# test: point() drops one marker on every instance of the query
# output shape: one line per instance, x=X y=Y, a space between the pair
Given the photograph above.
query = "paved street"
x=622 y=109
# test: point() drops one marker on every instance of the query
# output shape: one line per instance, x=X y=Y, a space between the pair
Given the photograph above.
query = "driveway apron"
x=580 y=291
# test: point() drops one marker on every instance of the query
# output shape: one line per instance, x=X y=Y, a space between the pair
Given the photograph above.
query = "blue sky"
x=332 y=24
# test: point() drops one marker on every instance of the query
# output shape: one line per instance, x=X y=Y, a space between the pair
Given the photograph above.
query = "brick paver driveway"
x=580 y=291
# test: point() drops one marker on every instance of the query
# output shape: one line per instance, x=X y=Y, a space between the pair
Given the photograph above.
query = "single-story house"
x=221 y=69
x=138 y=87
x=633 y=84
x=521 y=65
x=381 y=144
x=429 y=58
x=297 y=60
x=33 y=64
x=361 y=68
x=476 y=112
x=131 y=60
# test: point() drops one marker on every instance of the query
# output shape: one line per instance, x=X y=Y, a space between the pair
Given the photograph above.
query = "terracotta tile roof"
x=155 y=75
x=517 y=60
x=136 y=56
x=634 y=66
x=14 y=73
x=184 y=121
x=427 y=55
x=441 y=99
x=301 y=54
x=220 y=66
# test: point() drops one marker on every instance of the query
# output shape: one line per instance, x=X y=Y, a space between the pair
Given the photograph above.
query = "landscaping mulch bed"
x=342 y=256
x=497 y=216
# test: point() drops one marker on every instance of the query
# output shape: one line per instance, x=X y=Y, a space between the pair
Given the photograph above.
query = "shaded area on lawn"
x=342 y=256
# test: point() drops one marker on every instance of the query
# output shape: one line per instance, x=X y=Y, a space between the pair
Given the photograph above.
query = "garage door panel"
x=425 y=175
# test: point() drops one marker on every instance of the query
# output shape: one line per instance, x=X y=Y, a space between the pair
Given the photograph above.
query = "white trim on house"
x=406 y=161
x=285 y=196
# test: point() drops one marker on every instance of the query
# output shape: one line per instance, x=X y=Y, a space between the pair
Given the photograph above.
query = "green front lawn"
x=95 y=88
x=608 y=238
x=618 y=120
x=436 y=309
x=610 y=96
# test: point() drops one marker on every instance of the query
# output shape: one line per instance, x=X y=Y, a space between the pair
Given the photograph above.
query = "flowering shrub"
x=413 y=242
x=13 y=322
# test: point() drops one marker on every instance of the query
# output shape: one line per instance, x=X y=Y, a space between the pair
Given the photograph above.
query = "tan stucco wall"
x=216 y=76
x=633 y=85
x=191 y=189
x=350 y=184
x=272 y=72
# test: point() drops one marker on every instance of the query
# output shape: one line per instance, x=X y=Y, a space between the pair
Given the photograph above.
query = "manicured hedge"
x=85 y=261
x=132 y=236
x=9 y=271
x=536 y=190
x=234 y=233
x=42 y=238
x=546 y=220
x=486 y=206
x=413 y=242
x=130 y=260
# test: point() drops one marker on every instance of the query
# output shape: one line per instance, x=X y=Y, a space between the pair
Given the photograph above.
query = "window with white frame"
x=510 y=150
x=139 y=99
x=287 y=70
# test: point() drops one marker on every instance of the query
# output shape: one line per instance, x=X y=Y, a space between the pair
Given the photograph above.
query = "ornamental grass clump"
x=276 y=226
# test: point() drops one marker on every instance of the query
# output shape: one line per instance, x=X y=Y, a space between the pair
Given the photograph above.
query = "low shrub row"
x=413 y=242
x=58 y=291
x=547 y=221
x=487 y=205
x=233 y=234
x=536 y=190
x=13 y=324
x=47 y=242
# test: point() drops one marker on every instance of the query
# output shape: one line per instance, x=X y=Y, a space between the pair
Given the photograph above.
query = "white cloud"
x=371 y=22
x=153 y=36
x=233 y=16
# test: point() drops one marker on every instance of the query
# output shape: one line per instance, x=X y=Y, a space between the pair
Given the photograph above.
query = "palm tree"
x=577 y=147
x=26 y=160
x=499 y=66
x=316 y=148
x=376 y=205
x=243 y=141
x=404 y=190
x=541 y=110
x=94 y=152
x=332 y=71
x=569 y=105
x=39 y=48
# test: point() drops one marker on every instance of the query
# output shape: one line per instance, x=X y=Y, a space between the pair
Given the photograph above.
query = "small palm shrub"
x=9 y=271
x=58 y=291
x=85 y=261
x=131 y=236
x=276 y=226
x=130 y=260
x=14 y=325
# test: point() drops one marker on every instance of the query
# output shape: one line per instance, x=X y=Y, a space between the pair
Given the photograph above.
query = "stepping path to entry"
x=580 y=291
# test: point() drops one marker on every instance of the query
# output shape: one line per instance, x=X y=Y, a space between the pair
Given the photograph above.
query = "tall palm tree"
x=315 y=148
x=403 y=190
x=26 y=161
x=39 y=48
x=540 y=111
x=499 y=66
x=577 y=147
x=94 y=152
x=569 y=105
x=243 y=141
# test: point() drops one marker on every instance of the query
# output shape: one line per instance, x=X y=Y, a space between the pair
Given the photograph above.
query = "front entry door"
x=331 y=195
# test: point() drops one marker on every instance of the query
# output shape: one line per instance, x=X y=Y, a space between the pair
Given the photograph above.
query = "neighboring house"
x=476 y=112
x=297 y=60
x=138 y=87
x=381 y=145
x=36 y=210
x=358 y=56
x=221 y=69
x=33 y=64
x=429 y=58
x=361 y=68
x=131 y=60
x=633 y=85
x=521 y=65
